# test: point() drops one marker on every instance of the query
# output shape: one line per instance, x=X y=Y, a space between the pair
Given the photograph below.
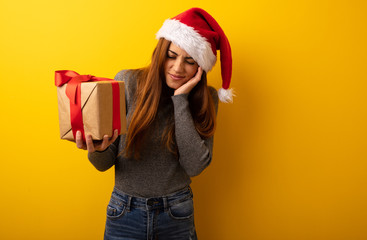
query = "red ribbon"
x=73 y=92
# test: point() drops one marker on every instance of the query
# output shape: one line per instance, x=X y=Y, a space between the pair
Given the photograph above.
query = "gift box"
x=94 y=106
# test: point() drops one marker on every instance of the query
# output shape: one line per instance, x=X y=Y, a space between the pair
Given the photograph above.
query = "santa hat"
x=196 y=32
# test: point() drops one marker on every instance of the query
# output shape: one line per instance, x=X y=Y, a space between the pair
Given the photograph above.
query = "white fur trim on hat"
x=226 y=95
x=189 y=40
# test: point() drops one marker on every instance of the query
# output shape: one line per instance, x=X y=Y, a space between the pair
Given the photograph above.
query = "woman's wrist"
x=180 y=95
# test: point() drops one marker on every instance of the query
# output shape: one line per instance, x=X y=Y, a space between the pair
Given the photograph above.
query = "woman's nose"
x=178 y=66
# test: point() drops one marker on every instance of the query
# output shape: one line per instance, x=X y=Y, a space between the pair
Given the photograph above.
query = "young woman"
x=171 y=115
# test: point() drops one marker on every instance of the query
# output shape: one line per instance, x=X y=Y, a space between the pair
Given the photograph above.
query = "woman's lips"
x=176 y=77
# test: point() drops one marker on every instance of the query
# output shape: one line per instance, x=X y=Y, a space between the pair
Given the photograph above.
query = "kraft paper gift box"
x=96 y=107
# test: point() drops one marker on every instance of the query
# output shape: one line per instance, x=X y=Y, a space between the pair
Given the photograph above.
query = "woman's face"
x=179 y=68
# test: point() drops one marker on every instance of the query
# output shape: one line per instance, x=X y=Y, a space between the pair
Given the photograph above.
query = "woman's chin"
x=173 y=85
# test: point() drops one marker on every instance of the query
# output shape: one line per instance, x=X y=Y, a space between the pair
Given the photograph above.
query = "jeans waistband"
x=155 y=202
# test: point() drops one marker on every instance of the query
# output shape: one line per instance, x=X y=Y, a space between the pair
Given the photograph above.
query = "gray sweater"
x=158 y=172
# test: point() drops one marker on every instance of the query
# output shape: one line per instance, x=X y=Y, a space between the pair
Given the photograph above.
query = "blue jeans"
x=164 y=218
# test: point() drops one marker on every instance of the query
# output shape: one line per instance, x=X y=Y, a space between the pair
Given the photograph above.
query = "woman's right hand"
x=94 y=146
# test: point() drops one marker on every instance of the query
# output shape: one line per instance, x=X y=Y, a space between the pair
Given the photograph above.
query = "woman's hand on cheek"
x=189 y=85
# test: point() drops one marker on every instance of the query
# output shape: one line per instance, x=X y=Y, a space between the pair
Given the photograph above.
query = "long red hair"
x=151 y=86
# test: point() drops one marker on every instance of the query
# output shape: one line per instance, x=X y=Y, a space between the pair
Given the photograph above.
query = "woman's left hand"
x=189 y=85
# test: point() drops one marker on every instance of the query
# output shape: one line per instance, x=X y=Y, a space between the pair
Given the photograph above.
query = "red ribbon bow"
x=73 y=92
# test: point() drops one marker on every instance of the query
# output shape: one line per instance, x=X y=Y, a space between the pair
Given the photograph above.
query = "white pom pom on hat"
x=199 y=34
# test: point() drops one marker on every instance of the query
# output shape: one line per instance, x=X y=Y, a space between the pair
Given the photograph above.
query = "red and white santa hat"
x=197 y=32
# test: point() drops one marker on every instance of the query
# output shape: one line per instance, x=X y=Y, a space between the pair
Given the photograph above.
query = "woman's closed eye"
x=170 y=55
x=173 y=55
x=190 y=61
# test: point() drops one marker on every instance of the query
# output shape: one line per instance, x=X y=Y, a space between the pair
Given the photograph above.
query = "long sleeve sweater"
x=158 y=172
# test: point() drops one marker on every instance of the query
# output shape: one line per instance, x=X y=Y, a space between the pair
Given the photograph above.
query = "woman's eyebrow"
x=172 y=52
x=177 y=54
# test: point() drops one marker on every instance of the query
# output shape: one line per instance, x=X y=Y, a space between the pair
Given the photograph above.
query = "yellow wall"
x=290 y=153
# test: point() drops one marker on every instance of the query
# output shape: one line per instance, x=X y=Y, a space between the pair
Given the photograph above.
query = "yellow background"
x=290 y=153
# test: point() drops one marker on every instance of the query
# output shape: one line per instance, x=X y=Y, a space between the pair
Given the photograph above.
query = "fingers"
x=197 y=76
x=193 y=81
x=90 y=144
x=189 y=85
x=107 y=141
x=115 y=135
x=79 y=141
